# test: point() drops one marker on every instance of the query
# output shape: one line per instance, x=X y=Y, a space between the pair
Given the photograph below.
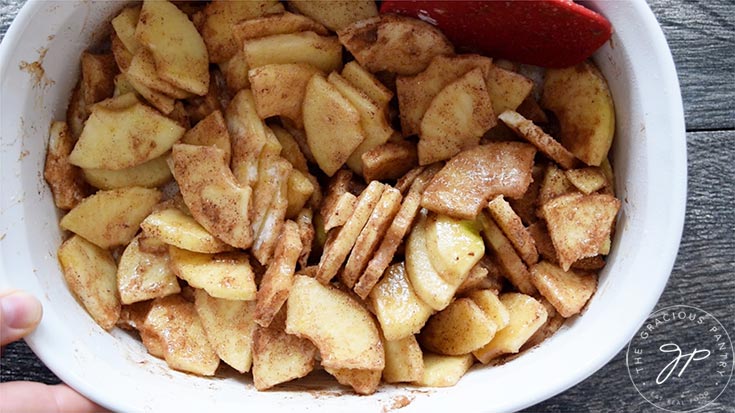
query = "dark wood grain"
x=701 y=35
x=19 y=363
x=8 y=10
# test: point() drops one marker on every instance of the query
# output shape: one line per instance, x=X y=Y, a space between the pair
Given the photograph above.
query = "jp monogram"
x=681 y=359
x=695 y=355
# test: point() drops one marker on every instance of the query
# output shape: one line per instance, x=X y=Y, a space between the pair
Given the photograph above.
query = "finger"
x=20 y=313
x=30 y=397
x=68 y=400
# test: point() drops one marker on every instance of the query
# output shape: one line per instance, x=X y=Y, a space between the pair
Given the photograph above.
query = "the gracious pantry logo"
x=681 y=359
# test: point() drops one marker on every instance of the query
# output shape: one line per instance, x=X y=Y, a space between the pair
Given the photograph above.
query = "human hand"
x=20 y=313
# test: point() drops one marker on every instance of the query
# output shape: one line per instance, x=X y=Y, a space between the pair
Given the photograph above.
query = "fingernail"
x=20 y=310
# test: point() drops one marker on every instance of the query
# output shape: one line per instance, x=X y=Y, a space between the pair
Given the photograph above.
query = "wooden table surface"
x=701 y=35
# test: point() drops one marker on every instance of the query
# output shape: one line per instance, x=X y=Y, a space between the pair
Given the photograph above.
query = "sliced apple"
x=567 y=291
x=333 y=129
x=111 y=218
x=278 y=278
x=120 y=102
x=476 y=279
x=151 y=245
x=489 y=302
x=527 y=205
x=527 y=315
x=151 y=174
x=124 y=25
x=371 y=235
x=273 y=220
x=307 y=232
x=89 y=272
x=322 y=52
x=459 y=329
x=470 y=179
x=176 y=228
x=607 y=170
x=507 y=89
x=540 y=139
x=121 y=137
x=555 y=183
x=456 y=119
x=142 y=70
x=272 y=175
x=404 y=361
x=430 y=287
x=389 y=161
x=300 y=190
x=515 y=270
x=415 y=93
x=336 y=251
x=454 y=246
x=339 y=212
x=216 y=201
x=587 y=180
x=76 y=112
x=98 y=76
x=511 y=224
x=342 y=329
x=174 y=323
x=248 y=134
x=444 y=371
x=367 y=83
x=336 y=14
x=165 y=104
x=362 y=381
x=220 y=18
x=122 y=56
x=554 y=321
x=132 y=316
x=144 y=275
x=580 y=225
x=178 y=49
x=235 y=72
x=399 y=310
x=580 y=99
x=372 y=118
x=396 y=232
x=279 y=89
x=226 y=275
x=65 y=180
x=279 y=357
x=290 y=149
x=211 y=131
x=229 y=327
x=280 y=23
x=394 y=43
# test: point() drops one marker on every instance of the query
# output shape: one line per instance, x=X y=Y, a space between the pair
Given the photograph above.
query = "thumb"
x=20 y=313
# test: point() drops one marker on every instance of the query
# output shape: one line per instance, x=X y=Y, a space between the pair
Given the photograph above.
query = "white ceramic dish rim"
x=662 y=212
